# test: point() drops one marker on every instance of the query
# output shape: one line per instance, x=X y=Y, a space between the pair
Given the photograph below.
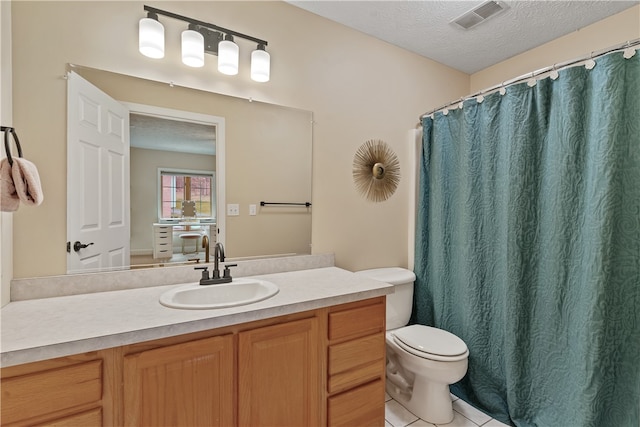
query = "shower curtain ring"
x=590 y=63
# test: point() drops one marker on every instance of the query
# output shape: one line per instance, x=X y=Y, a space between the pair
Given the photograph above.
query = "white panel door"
x=97 y=179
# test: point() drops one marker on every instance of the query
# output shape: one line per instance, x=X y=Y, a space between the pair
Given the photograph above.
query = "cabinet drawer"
x=355 y=362
x=162 y=239
x=357 y=321
x=354 y=353
x=45 y=392
x=363 y=406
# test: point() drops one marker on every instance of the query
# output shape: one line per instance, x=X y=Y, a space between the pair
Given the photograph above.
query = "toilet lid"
x=425 y=339
x=390 y=275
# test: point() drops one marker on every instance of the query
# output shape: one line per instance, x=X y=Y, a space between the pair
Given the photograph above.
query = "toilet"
x=422 y=361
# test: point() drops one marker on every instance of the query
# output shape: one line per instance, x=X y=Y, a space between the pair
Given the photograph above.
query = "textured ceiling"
x=424 y=27
x=156 y=133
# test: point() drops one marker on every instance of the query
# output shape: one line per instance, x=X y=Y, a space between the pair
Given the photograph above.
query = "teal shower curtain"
x=528 y=246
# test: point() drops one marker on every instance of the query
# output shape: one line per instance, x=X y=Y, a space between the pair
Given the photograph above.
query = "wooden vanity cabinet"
x=321 y=367
x=263 y=373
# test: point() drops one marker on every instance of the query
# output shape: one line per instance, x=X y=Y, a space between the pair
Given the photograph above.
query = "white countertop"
x=46 y=328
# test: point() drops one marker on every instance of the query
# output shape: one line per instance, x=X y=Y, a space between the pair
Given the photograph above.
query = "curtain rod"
x=554 y=67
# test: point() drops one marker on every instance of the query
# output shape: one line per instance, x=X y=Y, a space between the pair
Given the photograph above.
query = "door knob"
x=77 y=245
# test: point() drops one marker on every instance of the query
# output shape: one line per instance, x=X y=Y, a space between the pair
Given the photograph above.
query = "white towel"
x=9 y=200
x=27 y=181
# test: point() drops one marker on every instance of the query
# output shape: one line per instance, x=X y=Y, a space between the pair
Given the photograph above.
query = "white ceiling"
x=424 y=27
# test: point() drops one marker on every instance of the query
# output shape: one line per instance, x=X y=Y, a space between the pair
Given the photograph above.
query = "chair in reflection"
x=188 y=215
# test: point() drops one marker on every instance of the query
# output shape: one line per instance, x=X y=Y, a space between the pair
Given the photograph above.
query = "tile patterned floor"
x=464 y=415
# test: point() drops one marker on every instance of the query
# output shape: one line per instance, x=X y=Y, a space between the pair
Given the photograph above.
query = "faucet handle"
x=227 y=271
x=205 y=272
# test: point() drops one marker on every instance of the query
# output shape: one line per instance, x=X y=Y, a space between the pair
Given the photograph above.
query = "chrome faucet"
x=218 y=255
x=205 y=245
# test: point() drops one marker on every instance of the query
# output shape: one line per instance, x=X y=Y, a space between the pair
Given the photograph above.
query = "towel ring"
x=7 y=147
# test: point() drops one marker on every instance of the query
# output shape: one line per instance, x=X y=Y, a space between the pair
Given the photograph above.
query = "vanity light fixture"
x=200 y=38
x=192 y=47
x=228 y=56
x=260 y=64
x=151 y=36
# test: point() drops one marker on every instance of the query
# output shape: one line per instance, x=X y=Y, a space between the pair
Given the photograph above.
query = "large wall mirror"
x=174 y=158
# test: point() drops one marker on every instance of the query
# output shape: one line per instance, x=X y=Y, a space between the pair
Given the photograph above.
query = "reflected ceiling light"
x=228 y=56
x=201 y=38
x=192 y=47
x=151 y=36
x=260 y=64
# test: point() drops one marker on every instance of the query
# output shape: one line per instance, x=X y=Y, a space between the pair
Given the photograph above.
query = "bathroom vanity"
x=314 y=354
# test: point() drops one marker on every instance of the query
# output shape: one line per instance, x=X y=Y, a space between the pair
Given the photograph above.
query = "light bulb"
x=260 y=64
x=151 y=37
x=192 y=48
x=228 y=55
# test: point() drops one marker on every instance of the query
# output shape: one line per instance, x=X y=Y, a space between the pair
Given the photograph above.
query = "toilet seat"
x=430 y=343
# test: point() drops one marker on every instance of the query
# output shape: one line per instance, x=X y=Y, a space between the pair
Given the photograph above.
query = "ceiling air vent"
x=479 y=14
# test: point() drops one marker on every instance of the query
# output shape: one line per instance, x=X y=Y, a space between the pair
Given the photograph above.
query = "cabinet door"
x=188 y=384
x=279 y=375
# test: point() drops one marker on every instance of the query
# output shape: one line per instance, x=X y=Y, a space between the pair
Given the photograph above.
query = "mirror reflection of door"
x=118 y=219
x=97 y=179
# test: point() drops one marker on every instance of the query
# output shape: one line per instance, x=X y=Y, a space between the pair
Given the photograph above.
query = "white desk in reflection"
x=166 y=234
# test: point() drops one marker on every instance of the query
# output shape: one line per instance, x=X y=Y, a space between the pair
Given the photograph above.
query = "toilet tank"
x=400 y=302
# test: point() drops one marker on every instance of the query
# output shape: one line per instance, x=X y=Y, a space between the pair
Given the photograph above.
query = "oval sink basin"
x=239 y=292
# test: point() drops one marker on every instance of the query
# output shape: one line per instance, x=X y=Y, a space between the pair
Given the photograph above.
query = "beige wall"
x=616 y=29
x=269 y=159
x=357 y=87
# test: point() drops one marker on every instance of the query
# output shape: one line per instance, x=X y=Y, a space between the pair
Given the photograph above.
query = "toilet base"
x=428 y=400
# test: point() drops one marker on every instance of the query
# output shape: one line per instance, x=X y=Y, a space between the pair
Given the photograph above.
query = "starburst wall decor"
x=376 y=170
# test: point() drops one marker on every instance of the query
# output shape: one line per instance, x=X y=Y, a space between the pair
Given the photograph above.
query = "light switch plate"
x=252 y=210
x=233 y=209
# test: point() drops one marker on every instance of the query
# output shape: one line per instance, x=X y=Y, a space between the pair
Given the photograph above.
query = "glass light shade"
x=228 y=56
x=151 y=38
x=260 y=65
x=192 y=48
